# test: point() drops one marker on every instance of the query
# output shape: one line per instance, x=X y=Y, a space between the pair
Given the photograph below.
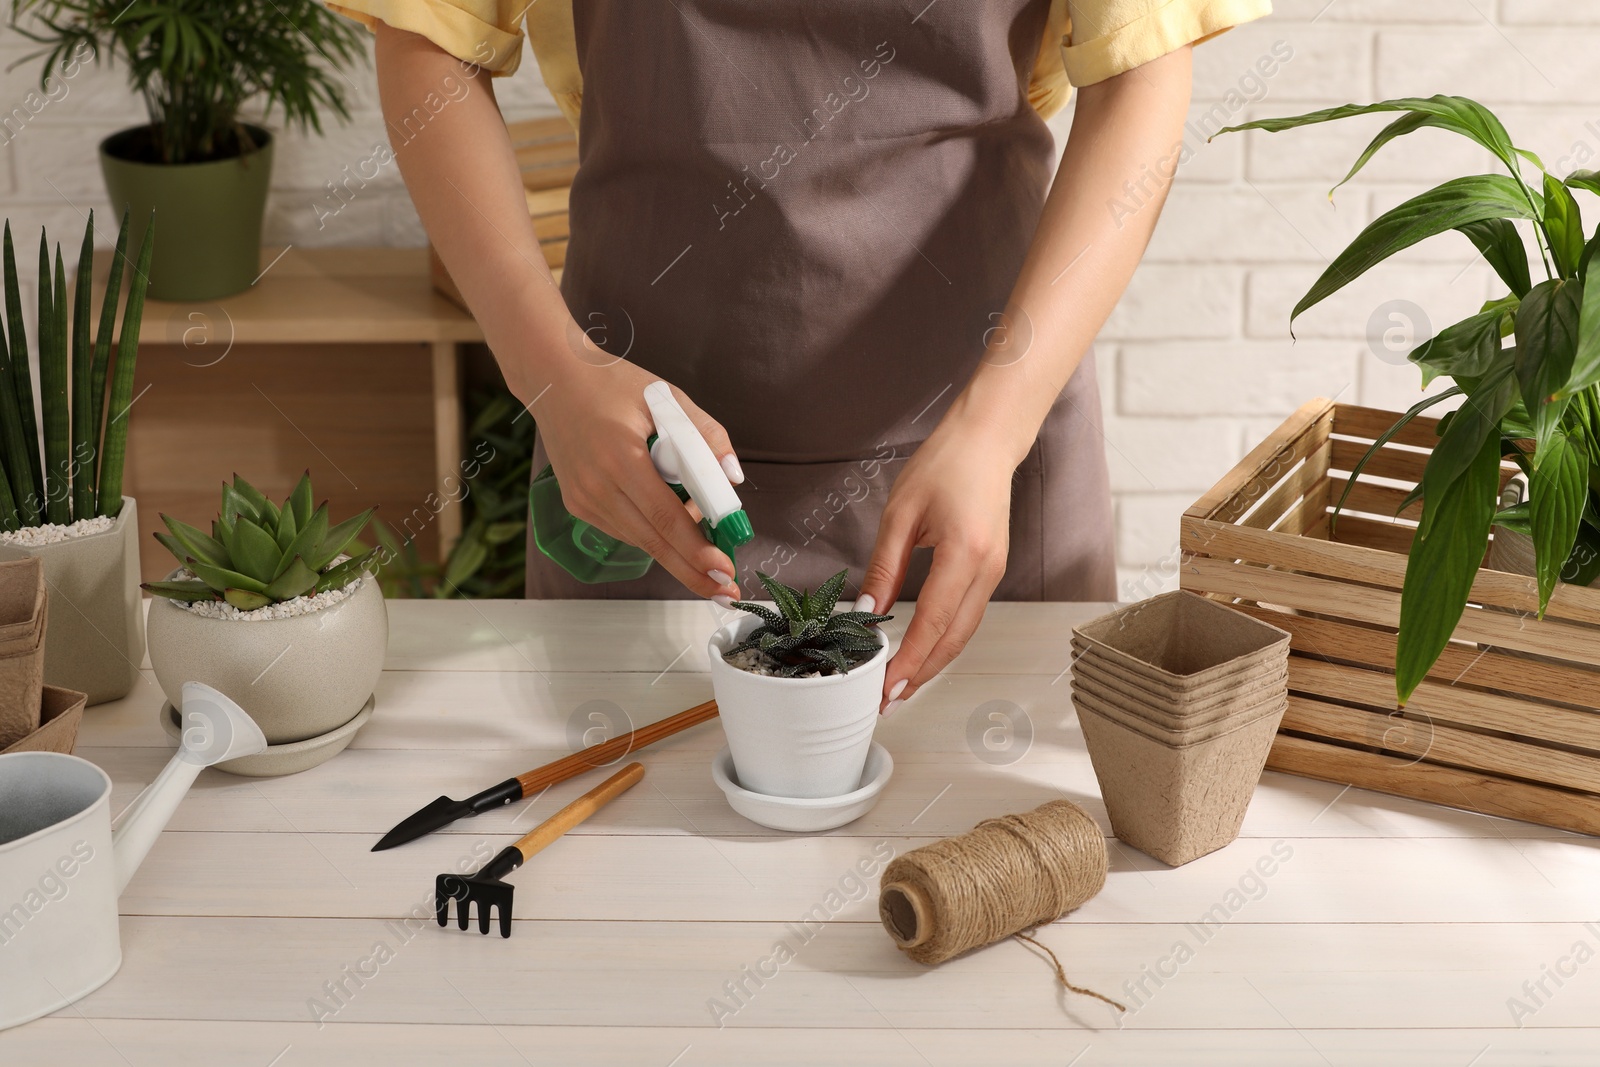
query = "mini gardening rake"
x=487 y=887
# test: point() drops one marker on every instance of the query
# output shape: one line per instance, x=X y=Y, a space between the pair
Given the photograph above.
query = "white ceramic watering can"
x=62 y=865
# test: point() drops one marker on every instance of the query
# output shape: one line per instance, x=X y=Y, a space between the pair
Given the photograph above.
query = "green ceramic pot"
x=208 y=235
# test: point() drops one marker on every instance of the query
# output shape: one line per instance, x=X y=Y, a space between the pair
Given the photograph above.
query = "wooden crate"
x=547 y=155
x=1505 y=723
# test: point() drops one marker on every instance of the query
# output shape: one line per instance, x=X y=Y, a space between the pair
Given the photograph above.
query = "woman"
x=825 y=223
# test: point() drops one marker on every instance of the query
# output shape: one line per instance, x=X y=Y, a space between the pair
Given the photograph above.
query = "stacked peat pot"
x=34 y=717
x=1179 y=698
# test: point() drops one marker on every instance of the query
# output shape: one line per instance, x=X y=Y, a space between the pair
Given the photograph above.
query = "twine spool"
x=1005 y=876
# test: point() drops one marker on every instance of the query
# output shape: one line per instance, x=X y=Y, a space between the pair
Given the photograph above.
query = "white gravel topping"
x=758 y=662
x=288 y=609
x=50 y=533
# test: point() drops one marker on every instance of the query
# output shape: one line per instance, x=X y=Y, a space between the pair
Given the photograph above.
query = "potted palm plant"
x=1534 y=400
x=197 y=64
x=61 y=464
x=268 y=609
x=798 y=686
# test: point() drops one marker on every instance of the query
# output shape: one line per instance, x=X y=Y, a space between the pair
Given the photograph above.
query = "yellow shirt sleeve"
x=1104 y=38
x=484 y=32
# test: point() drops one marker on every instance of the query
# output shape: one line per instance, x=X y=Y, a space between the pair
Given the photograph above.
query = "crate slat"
x=1436 y=784
x=1450 y=704
x=1505 y=723
x=1459 y=666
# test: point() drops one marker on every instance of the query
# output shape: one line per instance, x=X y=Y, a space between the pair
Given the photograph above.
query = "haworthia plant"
x=805 y=636
x=261 y=553
x=64 y=461
x=1536 y=401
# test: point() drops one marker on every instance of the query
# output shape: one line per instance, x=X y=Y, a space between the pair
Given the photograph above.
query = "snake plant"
x=261 y=553
x=1535 y=400
x=804 y=636
x=77 y=473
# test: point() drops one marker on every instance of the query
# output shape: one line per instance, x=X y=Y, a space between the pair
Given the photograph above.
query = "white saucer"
x=805 y=815
x=288 y=758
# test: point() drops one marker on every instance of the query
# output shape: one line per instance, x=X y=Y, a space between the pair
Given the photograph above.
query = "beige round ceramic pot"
x=298 y=677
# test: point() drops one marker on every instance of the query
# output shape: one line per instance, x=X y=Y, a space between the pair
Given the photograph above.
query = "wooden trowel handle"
x=579 y=810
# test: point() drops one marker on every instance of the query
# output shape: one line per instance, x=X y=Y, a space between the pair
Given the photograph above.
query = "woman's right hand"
x=593 y=422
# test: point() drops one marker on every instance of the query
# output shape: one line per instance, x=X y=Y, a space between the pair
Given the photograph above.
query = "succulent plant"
x=79 y=472
x=804 y=635
x=261 y=553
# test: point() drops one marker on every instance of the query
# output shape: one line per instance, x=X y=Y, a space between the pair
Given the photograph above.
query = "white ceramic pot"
x=94 y=638
x=297 y=678
x=796 y=737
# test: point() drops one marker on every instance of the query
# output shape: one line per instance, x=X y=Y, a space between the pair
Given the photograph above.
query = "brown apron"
x=808 y=215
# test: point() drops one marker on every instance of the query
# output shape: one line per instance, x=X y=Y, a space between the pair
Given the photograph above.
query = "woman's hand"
x=594 y=423
x=953 y=496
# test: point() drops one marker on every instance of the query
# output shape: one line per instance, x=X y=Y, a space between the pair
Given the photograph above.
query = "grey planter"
x=94 y=639
x=298 y=678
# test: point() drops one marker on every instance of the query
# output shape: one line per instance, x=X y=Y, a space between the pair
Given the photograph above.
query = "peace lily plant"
x=1527 y=365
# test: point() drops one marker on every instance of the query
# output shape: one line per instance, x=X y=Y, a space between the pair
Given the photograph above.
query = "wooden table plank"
x=1389 y=931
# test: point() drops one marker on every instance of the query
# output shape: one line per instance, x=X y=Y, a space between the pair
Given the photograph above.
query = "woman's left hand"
x=954 y=496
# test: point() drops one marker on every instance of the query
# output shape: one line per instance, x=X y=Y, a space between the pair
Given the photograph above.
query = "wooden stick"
x=579 y=810
x=607 y=752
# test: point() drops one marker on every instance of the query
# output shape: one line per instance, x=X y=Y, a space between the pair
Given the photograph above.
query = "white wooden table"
x=261 y=931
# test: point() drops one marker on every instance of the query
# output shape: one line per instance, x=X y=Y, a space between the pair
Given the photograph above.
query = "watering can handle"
x=215 y=729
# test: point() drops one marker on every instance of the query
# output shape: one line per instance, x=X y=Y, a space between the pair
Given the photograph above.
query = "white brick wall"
x=1196 y=362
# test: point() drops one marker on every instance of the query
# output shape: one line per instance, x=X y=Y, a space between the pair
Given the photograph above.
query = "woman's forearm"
x=441 y=114
x=1115 y=170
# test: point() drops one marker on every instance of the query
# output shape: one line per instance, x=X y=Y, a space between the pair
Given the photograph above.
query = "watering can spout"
x=214 y=729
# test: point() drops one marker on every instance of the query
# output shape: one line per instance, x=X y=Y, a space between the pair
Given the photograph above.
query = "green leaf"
x=1477 y=420
x=498 y=533
x=1467 y=349
x=1450 y=206
x=1384 y=438
x=866 y=618
x=1586 y=354
x=1445 y=555
x=83 y=436
x=254 y=551
x=337 y=538
x=766 y=614
x=345 y=573
x=306 y=539
x=222 y=579
x=246 y=599
x=832 y=658
x=1584 y=179
x=235 y=504
x=300 y=499
x=1547 y=344
x=1457 y=114
x=466 y=557
x=102 y=352
x=1558 y=492
x=185 y=590
x=114 y=449
x=1563 y=227
x=296 y=580
x=826 y=597
x=286 y=530
x=1503 y=249
x=1583 y=566
x=196 y=543
x=787 y=599
x=1516 y=518
x=258 y=500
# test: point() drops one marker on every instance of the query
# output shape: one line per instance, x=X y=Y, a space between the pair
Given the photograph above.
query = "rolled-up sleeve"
x=484 y=32
x=1107 y=37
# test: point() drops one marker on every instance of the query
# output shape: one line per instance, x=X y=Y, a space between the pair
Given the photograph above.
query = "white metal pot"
x=63 y=864
x=796 y=737
x=298 y=677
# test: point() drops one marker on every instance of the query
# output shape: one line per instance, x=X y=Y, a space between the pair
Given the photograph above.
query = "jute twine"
x=1003 y=877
